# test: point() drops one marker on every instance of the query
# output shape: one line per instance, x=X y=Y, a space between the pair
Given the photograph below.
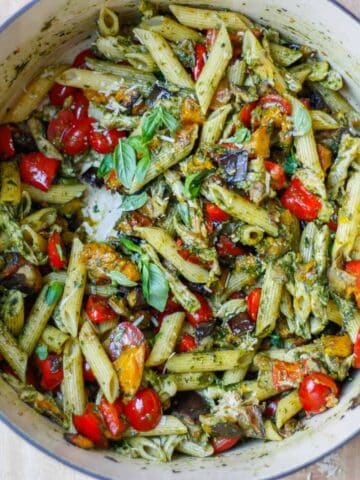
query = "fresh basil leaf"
x=183 y=209
x=42 y=351
x=106 y=165
x=301 y=119
x=121 y=279
x=169 y=121
x=142 y=168
x=290 y=164
x=151 y=123
x=193 y=183
x=125 y=163
x=242 y=135
x=155 y=287
x=133 y=202
x=139 y=144
x=130 y=245
x=53 y=293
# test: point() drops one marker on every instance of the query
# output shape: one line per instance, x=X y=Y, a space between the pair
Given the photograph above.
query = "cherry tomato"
x=80 y=58
x=76 y=138
x=98 y=310
x=187 y=343
x=56 y=251
x=317 y=392
x=105 y=141
x=172 y=305
x=353 y=267
x=124 y=335
x=301 y=203
x=215 y=214
x=91 y=425
x=245 y=113
x=38 y=170
x=278 y=177
x=144 y=410
x=286 y=375
x=203 y=314
x=221 y=444
x=59 y=93
x=80 y=105
x=356 y=357
x=274 y=99
x=7 y=148
x=253 y=303
x=88 y=373
x=226 y=247
x=200 y=60
x=112 y=415
x=51 y=371
x=58 y=125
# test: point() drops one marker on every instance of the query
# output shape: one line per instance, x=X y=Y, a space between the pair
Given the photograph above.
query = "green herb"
x=130 y=245
x=42 y=351
x=142 y=167
x=60 y=251
x=193 y=183
x=121 y=279
x=276 y=340
x=53 y=293
x=301 y=119
x=106 y=165
x=184 y=213
x=155 y=287
x=290 y=164
x=125 y=163
x=242 y=135
x=157 y=118
x=133 y=202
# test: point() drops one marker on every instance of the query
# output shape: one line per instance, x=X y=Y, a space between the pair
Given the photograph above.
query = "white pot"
x=46 y=30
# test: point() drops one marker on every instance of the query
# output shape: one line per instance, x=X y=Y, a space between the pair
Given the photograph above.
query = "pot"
x=44 y=31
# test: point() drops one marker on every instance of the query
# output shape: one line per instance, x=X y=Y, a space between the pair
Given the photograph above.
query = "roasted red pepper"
x=245 y=113
x=38 y=170
x=200 y=60
x=187 y=343
x=253 y=303
x=56 y=251
x=7 y=148
x=98 y=310
x=356 y=357
x=274 y=99
x=203 y=314
x=91 y=426
x=301 y=203
x=215 y=214
x=287 y=375
x=226 y=247
x=51 y=372
x=112 y=415
x=278 y=177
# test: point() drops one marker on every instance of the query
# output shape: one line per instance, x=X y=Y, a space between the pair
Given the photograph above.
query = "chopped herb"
x=276 y=340
x=242 y=135
x=157 y=118
x=130 y=245
x=42 y=351
x=290 y=164
x=193 y=183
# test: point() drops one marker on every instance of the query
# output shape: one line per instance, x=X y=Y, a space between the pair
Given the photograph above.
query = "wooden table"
x=21 y=461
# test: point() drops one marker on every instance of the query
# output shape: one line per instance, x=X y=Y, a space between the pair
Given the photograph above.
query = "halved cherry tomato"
x=129 y=367
x=124 y=335
x=144 y=410
x=301 y=203
x=226 y=247
x=80 y=105
x=245 y=113
x=105 y=141
x=353 y=267
x=88 y=373
x=274 y=99
x=80 y=58
x=76 y=137
x=317 y=392
x=203 y=314
x=7 y=148
x=200 y=59
x=356 y=356
x=38 y=170
x=253 y=303
x=222 y=444
x=215 y=214
x=90 y=425
x=51 y=371
x=58 y=125
x=187 y=343
x=56 y=251
x=59 y=93
x=112 y=415
x=286 y=375
x=98 y=310
x=278 y=177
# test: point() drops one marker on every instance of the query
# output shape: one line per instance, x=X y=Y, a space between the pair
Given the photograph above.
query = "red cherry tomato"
x=317 y=392
x=278 y=177
x=187 y=343
x=245 y=113
x=105 y=141
x=200 y=60
x=215 y=214
x=88 y=373
x=301 y=203
x=144 y=410
x=353 y=267
x=38 y=170
x=51 y=371
x=203 y=314
x=356 y=356
x=112 y=415
x=59 y=93
x=253 y=303
x=80 y=105
x=222 y=444
x=226 y=247
x=274 y=99
x=98 y=310
x=80 y=58
x=76 y=138
x=7 y=148
x=124 y=335
x=56 y=251
x=58 y=125
x=91 y=425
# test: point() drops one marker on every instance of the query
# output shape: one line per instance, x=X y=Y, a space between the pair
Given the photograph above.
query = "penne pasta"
x=288 y=407
x=54 y=339
x=73 y=383
x=108 y=22
x=168 y=425
x=57 y=194
x=12 y=352
x=10 y=184
x=12 y=311
x=169 y=29
x=213 y=361
x=214 y=126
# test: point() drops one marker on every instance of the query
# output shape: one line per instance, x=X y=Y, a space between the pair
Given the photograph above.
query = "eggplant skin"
x=235 y=164
x=189 y=404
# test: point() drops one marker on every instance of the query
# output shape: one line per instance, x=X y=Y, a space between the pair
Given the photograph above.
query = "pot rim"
x=49 y=453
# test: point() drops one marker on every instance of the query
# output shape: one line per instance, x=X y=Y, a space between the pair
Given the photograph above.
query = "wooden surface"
x=20 y=461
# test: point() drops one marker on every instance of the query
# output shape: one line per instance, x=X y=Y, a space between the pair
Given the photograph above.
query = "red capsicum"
x=301 y=203
x=7 y=148
x=56 y=251
x=90 y=424
x=200 y=60
x=51 y=372
x=226 y=247
x=38 y=170
x=98 y=310
x=277 y=173
x=253 y=303
x=112 y=415
x=274 y=99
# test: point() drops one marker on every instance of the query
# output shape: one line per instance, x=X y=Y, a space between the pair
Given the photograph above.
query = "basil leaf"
x=151 y=123
x=301 y=119
x=155 y=287
x=193 y=183
x=42 y=351
x=125 y=162
x=169 y=121
x=130 y=245
x=241 y=135
x=133 y=202
x=106 y=165
x=183 y=209
x=290 y=164
x=53 y=293
x=142 y=168
x=121 y=279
